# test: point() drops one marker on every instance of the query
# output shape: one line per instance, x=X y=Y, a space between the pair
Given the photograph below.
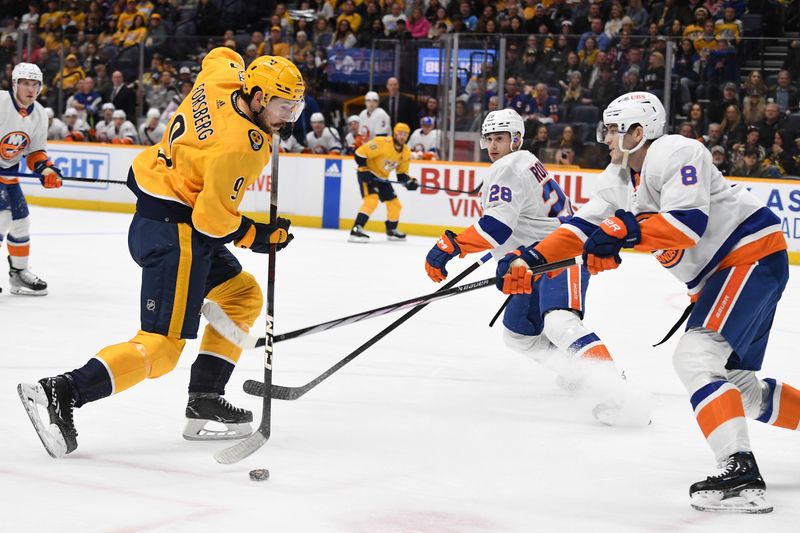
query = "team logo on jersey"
x=670 y=258
x=13 y=144
x=256 y=140
x=151 y=305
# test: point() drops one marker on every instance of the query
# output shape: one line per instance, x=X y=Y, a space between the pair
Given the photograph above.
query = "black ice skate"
x=24 y=282
x=739 y=488
x=358 y=235
x=394 y=235
x=59 y=437
x=209 y=407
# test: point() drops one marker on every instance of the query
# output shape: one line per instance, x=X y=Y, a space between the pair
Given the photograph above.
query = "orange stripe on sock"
x=599 y=353
x=19 y=251
x=789 y=415
x=726 y=298
x=725 y=407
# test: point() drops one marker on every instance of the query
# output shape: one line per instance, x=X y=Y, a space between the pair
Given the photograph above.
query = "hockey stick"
x=293 y=393
x=67 y=178
x=260 y=436
x=473 y=192
x=233 y=333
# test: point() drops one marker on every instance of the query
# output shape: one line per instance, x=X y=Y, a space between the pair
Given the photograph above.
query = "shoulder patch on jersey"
x=220 y=103
x=256 y=140
x=13 y=144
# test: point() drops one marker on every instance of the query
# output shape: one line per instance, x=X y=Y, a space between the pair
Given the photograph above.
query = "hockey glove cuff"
x=513 y=270
x=601 y=249
x=258 y=237
x=445 y=249
x=410 y=183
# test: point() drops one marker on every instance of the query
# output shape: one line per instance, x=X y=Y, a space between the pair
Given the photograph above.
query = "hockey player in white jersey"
x=151 y=130
x=373 y=121
x=105 y=126
x=56 y=129
x=23 y=132
x=521 y=204
x=321 y=139
x=424 y=141
x=662 y=194
x=78 y=130
x=122 y=131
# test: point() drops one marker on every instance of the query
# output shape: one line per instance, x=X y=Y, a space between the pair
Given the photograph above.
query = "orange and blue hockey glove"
x=513 y=270
x=258 y=237
x=601 y=249
x=445 y=249
x=51 y=174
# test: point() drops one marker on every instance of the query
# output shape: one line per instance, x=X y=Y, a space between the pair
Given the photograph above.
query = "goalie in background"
x=376 y=160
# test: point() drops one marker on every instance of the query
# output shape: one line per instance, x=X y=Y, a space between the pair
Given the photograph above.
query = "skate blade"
x=22 y=291
x=196 y=430
x=361 y=240
x=750 y=501
x=395 y=238
x=50 y=435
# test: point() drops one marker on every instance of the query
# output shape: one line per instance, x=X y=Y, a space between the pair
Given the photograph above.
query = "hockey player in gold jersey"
x=376 y=160
x=188 y=188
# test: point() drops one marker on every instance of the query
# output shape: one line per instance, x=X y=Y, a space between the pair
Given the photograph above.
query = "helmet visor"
x=602 y=131
x=285 y=110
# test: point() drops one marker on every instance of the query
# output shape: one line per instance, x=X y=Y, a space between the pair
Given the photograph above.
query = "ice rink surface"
x=438 y=428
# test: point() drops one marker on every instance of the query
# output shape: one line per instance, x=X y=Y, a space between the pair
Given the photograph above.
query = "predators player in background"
x=662 y=194
x=522 y=203
x=23 y=131
x=188 y=189
x=376 y=160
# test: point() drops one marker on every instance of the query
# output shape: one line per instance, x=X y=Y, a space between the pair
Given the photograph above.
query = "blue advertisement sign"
x=469 y=60
x=351 y=65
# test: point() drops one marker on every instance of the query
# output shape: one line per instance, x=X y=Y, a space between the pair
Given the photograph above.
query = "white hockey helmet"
x=153 y=112
x=119 y=113
x=318 y=117
x=638 y=107
x=353 y=118
x=26 y=71
x=49 y=112
x=500 y=121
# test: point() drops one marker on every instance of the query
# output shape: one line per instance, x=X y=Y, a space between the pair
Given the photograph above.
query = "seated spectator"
x=565 y=69
x=632 y=59
x=322 y=139
x=531 y=69
x=257 y=38
x=175 y=101
x=540 y=141
x=463 y=118
x=480 y=114
x=594 y=73
x=136 y=34
x=156 y=34
x=78 y=131
x=91 y=59
x=716 y=109
x=588 y=55
x=695 y=30
x=750 y=166
x=56 y=129
x=300 y=47
x=125 y=20
x=638 y=14
x=783 y=154
x=323 y=36
x=85 y=100
x=353 y=138
x=390 y=19
x=697 y=118
x=67 y=78
x=105 y=125
x=714 y=136
x=152 y=129
x=720 y=160
x=753 y=108
x=687 y=130
x=630 y=81
x=733 y=129
x=753 y=82
x=708 y=40
x=424 y=141
x=574 y=94
x=567 y=147
x=614 y=24
x=400 y=32
x=596 y=31
x=542 y=106
x=513 y=96
x=729 y=27
x=785 y=94
x=752 y=142
x=605 y=89
x=722 y=66
x=122 y=131
x=349 y=14
x=772 y=122
x=344 y=36
x=279 y=48
x=467 y=16
x=653 y=78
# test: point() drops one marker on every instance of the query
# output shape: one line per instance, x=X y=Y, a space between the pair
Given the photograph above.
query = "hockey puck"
x=259 y=474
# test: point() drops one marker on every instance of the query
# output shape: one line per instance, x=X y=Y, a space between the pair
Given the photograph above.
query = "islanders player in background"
x=522 y=203
x=376 y=160
x=23 y=131
x=662 y=194
x=188 y=188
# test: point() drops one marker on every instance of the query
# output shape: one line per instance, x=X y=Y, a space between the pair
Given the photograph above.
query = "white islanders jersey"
x=148 y=137
x=20 y=135
x=424 y=142
x=373 y=124
x=521 y=203
x=327 y=141
x=684 y=199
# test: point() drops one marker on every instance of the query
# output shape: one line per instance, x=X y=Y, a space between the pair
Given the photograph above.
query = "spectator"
x=750 y=166
x=733 y=129
x=106 y=123
x=111 y=36
x=633 y=59
x=588 y=55
x=344 y=36
x=771 y=123
x=783 y=154
x=540 y=18
x=251 y=54
x=401 y=33
x=753 y=107
x=565 y=69
x=399 y=107
x=353 y=138
x=542 y=106
x=371 y=30
x=68 y=77
x=785 y=94
x=697 y=118
x=752 y=142
x=729 y=27
x=257 y=38
x=582 y=17
x=637 y=13
x=349 y=14
x=653 y=79
x=630 y=81
x=152 y=130
x=300 y=47
x=480 y=114
x=323 y=37
x=463 y=118
x=184 y=75
x=683 y=70
x=156 y=34
x=156 y=93
x=714 y=136
x=56 y=129
x=568 y=147
x=531 y=69
x=467 y=16
x=716 y=109
x=175 y=101
x=86 y=101
x=322 y=139
x=720 y=160
x=753 y=82
x=605 y=89
x=122 y=131
x=512 y=96
x=78 y=130
x=687 y=130
x=663 y=13
x=91 y=59
x=540 y=141
x=695 y=30
x=30 y=20
x=574 y=94
x=614 y=24
x=596 y=31
x=431 y=108
x=279 y=48
x=121 y=95
x=708 y=40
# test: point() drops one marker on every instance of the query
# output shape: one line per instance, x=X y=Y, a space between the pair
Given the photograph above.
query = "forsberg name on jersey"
x=202 y=120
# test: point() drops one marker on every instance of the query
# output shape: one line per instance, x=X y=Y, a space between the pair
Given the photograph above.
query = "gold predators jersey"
x=211 y=151
x=382 y=157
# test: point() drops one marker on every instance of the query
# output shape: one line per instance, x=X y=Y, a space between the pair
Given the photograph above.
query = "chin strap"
x=627 y=153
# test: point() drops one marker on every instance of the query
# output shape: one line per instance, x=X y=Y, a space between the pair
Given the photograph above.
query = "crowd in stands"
x=565 y=61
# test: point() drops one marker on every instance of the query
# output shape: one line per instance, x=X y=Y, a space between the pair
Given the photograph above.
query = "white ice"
x=438 y=428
